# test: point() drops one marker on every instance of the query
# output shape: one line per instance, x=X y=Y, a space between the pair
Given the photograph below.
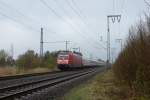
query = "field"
x=12 y=70
x=8 y=71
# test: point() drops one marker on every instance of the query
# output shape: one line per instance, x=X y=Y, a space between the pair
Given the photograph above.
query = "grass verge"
x=101 y=87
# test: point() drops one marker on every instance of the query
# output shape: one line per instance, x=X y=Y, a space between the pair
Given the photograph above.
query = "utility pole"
x=12 y=50
x=67 y=42
x=41 y=44
x=113 y=18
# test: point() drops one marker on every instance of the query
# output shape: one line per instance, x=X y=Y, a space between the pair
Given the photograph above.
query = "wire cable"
x=75 y=11
x=53 y=11
x=72 y=26
x=29 y=19
x=19 y=22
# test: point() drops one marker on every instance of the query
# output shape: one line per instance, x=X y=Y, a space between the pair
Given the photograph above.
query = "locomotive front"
x=64 y=60
x=69 y=60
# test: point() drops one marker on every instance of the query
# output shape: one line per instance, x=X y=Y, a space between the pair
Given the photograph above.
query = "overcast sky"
x=82 y=22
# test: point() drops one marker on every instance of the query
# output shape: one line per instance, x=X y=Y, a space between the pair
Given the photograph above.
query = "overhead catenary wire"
x=69 y=15
x=82 y=19
x=19 y=22
x=77 y=11
x=22 y=22
x=16 y=20
x=27 y=18
x=66 y=13
x=60 y=17
x=85 y=50
x=81 y=13
x=68 y=2
x=56 y=42
x=16 y=10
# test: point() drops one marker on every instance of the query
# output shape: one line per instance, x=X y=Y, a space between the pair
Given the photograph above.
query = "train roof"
x=66 y=52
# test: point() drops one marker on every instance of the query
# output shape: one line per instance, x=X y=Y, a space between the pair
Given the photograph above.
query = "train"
x=67 y=60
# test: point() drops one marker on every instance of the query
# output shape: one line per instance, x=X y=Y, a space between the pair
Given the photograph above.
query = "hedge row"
x=132 y=66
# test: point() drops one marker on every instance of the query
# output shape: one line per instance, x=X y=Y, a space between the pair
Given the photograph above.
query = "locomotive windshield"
x=63 y=52
x=63 y=57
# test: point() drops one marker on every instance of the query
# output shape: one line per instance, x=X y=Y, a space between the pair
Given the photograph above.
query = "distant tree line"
x=30 y=59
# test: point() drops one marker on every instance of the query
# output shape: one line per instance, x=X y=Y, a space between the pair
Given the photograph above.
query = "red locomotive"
x=69 y=59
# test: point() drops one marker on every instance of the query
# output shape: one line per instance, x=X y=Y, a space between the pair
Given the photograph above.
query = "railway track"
x=22 y=87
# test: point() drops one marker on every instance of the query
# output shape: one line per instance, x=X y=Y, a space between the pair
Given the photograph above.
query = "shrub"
x=49 y=59
x=28 y=60
x=132 y=67
x=31 y=60
x=5 y=59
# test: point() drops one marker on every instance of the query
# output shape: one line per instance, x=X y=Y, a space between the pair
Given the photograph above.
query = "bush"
x=49 y=59
x=28 y=60
x=31 y=60
x=132 y=66
x=5 y=59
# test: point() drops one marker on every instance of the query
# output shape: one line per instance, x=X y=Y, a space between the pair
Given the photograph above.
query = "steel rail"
x=4 y=78
x=29 y=78
x=23 y=89
x=10 y=87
